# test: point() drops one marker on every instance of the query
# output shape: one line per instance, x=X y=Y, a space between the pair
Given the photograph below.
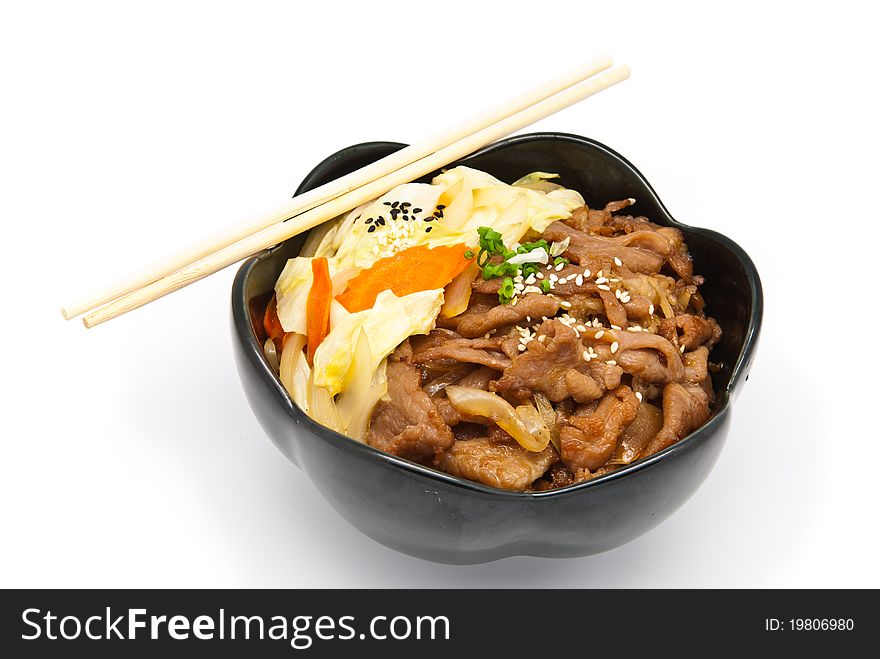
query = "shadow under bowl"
x=438 y=517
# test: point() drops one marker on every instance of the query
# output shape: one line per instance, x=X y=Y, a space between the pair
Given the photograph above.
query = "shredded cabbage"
x=391 y=320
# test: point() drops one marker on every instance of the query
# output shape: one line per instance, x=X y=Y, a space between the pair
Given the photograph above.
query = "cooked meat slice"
x=582 y=387
x=479 y=378
x=447 y=412
x=408 y=424
x=543 y=365
x=696 y=365
x=614 y=310
x=606 y=375
x=638 y=308
x=588 y=441
x=690 y=331
x=532 y=305
x=469 y=430
x=646 y=425
x=645 y=365
x=593 y=220
x=557 y=476
x=680 y=261
x=685 y=407
x=583 y=306
x=477 y=305
x=642 y=251
x=462 y=350
x=505 y=465
x=645 y=340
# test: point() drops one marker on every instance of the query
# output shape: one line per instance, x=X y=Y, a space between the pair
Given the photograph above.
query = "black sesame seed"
x=428 y=230
x=405 y=204
x=369 y=220
x=386 y=203
x=406 y=218
x=416 y=210
x=371 y=229
x=381 y=221
x=440 y=207
x=394 y=205
x=429 y=219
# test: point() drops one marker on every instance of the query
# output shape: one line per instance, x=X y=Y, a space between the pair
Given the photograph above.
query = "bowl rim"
x=253 y=351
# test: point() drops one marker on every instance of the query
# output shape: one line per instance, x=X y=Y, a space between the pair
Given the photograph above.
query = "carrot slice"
x=318 y=306
x=271 y=323
x=415 y=269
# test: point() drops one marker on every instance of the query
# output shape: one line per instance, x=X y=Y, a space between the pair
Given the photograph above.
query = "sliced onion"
x=551 y=420
x=270 y=352
x=558 y=248
x=366 y=387
x=457 y=293
x=531 y=433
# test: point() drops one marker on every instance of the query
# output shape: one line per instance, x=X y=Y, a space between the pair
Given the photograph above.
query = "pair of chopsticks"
x=332 y=199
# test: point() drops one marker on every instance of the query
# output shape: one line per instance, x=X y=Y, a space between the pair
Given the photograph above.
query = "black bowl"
x=435 y=516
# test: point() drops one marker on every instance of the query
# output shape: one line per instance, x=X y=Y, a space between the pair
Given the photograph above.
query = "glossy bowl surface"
x=438 y=517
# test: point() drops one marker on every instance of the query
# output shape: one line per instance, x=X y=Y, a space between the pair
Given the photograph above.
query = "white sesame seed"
x=614 y=347
x=615 y=327
x=542 y=338
x=681 y=350
x=514 y=301
x=639 y=396
x=634 y=328
x=581 y=328
x=611 y=362
x=550 y=267
x=554 y=278
x=559 y=267
x=566 y=304
x=521 y=347
x=579 y=280
x=585 y=355
x=601 y=280
x=599 y=334
x=518 y=278
x=617 y=293
x=603 y=287
x=599 y=274
x=563 y=280
x=587 y=272
x=539 y=275
x=651 y=309
x=617 y=262
x=530 y=279
x=631 y=201
x=544 y=318
x=532 y=289
x=486 y=335
x=528 y=319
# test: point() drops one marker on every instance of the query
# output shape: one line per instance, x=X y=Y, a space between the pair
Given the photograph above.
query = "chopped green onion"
x=545 y=285
x=506 y=292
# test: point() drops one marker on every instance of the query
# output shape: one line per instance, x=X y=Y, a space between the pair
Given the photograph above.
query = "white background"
x=129 y=454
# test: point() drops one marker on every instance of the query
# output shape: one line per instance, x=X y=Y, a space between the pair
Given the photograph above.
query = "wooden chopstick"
x=313 y=198
x=280 y=232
